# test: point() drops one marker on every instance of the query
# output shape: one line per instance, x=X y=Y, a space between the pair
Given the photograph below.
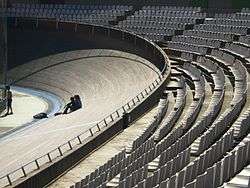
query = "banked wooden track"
x=105 y=79
x=104 y=83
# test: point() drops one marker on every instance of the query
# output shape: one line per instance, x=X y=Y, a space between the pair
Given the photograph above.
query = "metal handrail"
x=91 y=131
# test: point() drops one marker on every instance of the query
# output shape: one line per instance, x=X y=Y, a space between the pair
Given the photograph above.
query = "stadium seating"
x=96 y=14
x=210 y=140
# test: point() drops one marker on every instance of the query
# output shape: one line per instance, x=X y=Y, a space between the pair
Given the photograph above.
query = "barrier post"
x=105 y=122
x=70 y=146
x=24 y=173
x=128 y=105
x=138 y=98
x=38 y=167
x=133 y=101
x=60 y=151
x=117 y=113
x=150 y=88
x=153 y=85
x=123 y=109
x=50 y=160
x=91 y=132
x=99 y=129
x=111 y=117
x=142 y=95
x=9 y=180
x=79 y=139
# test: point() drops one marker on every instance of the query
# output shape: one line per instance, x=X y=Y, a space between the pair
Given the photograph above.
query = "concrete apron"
x=42 y=101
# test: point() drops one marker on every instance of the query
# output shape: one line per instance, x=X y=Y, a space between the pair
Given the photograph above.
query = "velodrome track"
x=105 y=80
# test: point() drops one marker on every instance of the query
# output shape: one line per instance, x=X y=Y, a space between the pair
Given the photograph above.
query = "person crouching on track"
x=78 y=102
x=70 y=107
x=74 y=104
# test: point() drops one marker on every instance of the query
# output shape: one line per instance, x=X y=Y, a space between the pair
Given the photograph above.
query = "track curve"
x=105 y=80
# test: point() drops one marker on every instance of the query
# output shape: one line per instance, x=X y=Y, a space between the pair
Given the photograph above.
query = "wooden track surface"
x=104 y=84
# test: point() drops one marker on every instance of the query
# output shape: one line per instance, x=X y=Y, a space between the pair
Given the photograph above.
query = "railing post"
x=60 y=151
x=99 y=129
x=138 y=98
x=117 y=113
x=153 y=85
x=70 y=146
x=111 y=117
x=38 y=167
x=142 y=95
x=133 y=101
x=146 y=91
x=123 y=109
x=105 y=122
x=91 y=132
x=24 y=173
x=9 y=180
x=79 y=139
x=157 y=82
x=128 y=105
x=149 y=88
x=50 y=160
x=160 y=78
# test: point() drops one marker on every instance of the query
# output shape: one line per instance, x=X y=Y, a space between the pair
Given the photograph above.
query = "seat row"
x=162 y=108
x=209 y=34
x=236 y=16
x=144 y=30
x=171 y=14
x=233 y=22
x=174 y=8
x=222 y=28
x=192 y=170
x=186 y=47
x=245 y=10
x=245 y=39
x=70 y=6
x=197 y=40
x=226 y=168
x=153 y=18
x=167 y=124
x=243 y=50
x=145 y=23
x=221 y=124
